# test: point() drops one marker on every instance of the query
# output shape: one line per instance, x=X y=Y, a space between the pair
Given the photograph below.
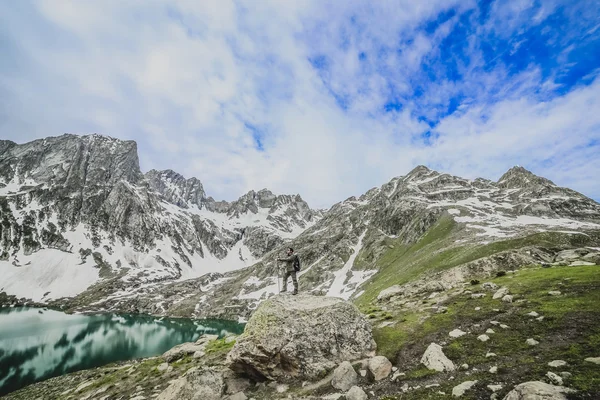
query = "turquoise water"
x=38 y=344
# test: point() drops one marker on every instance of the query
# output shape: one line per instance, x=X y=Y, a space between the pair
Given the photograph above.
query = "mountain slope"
x=78 y=209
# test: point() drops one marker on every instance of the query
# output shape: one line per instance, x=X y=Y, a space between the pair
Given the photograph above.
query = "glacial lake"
x=37 y=344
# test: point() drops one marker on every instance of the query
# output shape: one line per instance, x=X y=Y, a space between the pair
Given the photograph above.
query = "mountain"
x=77 y=210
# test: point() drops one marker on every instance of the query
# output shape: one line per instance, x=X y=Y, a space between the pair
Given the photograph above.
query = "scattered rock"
x=397 y=375
x=503 y=326
x=434 y=359
x=533 y=314
x=459 y=390
x=237 y=396
x=488 y=355
x=557 y=380
x=500 y=293
x=457 y=333
x=477 y=308
x=477 y=295
x=532 y=342
x=344 y=377
x=198 y=354
x=490 y=286
x=182 y=350
x=163 y=367
x=493 y=370
x=465 y=366
x=557 y=363
x=490 y=331
x=483 y=338
x=595 y=360
x=554 y=293
x=565 y=375
x=495 y=323
x=380 y=367
x=507 y=298
x=363 y=372
x=205 y=384
x=540 y=318
x=537 y=390
x=356 y=393
x=390 y=292
x=495 y=388
x=300 y=337
x=235 y=384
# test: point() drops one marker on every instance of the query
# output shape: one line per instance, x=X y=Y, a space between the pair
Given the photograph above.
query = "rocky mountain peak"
x=176 y=189
x=518 y=177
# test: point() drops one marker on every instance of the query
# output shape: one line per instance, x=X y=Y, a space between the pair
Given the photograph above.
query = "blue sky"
x=322 y=98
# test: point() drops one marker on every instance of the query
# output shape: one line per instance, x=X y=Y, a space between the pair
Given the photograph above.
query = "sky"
x=322 y=98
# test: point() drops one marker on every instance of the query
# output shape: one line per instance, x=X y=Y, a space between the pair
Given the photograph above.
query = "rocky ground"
x=531 y=330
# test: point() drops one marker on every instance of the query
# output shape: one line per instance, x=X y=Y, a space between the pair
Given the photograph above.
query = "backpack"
x=297 y=264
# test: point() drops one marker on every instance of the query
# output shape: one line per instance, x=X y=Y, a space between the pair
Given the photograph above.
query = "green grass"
x=219 y=346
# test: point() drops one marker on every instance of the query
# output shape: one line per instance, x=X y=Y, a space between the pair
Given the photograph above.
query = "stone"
x=507 y=298
x=490 y=331
x=557 y=363
x=565 y=375
x=182 y=350
x=198 y=354
x=394 y=369
x=363 y=372
x=595 y=360
x=488 y=355
x=555 y=379
x=465 y=366
x=195 y=384
x=490 y=286
x=500 y=293
x=540 y=318
x=456 y=333
x=532 y=342
x=493 y=370
x=533 y=314
x=503 y=326
x=235 y=384
x=495 y=323
x=435 y=359
x=554 y=293
x=477 y=308
x=344 y=377
x=538 y=391
x=495 y=388
x=300 y=337
x=356 y=393
x=483 y=338
x=477 y=295
x=380 y=367
x=459 y=390
x=163 y=367
x=238 y=396
x=390 y=292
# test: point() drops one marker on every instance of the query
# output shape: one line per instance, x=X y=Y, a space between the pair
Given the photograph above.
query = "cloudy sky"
x=322 y=98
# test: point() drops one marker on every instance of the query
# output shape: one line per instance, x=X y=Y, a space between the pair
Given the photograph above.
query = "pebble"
x=557 y=363
x=493 y=370
x=508 y=298
x=477 y=308
x=494 y=322
x=533 y=314
x=595 y=360
x=504 y=326
x=557 y=380
x=540 y=318
x=554 y=293
x=532 y=342
x=490 y=331
x=483 y=338
x=490 y=355
x=495 y=388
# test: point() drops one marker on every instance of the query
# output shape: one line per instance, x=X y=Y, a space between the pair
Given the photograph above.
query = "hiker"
x=292 y=265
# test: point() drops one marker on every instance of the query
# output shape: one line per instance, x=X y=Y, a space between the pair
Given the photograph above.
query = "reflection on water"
x=38 y=344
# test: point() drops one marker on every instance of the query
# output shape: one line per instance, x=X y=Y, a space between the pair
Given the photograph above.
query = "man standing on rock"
x=291 y=263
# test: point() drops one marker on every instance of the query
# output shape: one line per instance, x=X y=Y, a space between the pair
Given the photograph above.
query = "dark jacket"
x=289 y=262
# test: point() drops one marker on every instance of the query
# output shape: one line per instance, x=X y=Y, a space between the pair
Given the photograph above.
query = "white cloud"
x=185 y=78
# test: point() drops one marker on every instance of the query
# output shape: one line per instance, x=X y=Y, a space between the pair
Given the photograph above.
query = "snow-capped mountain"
x=77 y=210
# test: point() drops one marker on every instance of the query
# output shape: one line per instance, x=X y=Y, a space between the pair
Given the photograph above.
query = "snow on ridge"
x=338 y=288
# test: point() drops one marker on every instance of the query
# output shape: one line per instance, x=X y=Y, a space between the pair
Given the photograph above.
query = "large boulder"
x=181 y=350
x=301 y=336
x=380 y=367
x=536 y=390
x=344 y=377
x=435 y=359
x=196 y=384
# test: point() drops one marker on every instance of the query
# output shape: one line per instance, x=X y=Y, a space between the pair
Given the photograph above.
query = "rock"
x=495 y=388
x=500 y=293
x=488 y=355
x=238 y=396
x=490 y=331
x=459 y=390
x=490 y=286
x=457 y=333
x=182 y=350
x=507 y=298
x=493 y=370
x=397 y=375
x=235 y=384
x=503 y=326
x=356 y=393
x=198 y=354
x=363 y=372
x=495 y=323
x=540 y=318
x=595 y=360
x=465 y=366
x=477 y=295
x=533 y=314
x=565 y=375
x=390 y=292
x=163 y=367
x=554 y=293
x=196 y=384
x=477 y=308
x=536 y=390
x=434 y=359
x=344 y=377
x=483 y=338
x=557 y=363
x=394 y=369
x=380 y=367
x=557 y=380
x=532 y=342
x=300 y=337
x=204 y=339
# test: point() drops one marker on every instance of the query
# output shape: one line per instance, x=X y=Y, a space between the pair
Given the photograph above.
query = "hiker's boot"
x=295 y=292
